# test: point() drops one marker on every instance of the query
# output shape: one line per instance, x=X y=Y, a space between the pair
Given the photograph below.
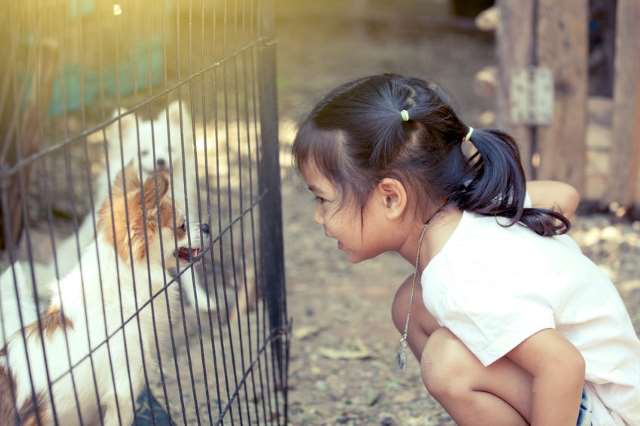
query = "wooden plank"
x=634 y=167
x=625 y=144
x=513 y=44
x=562 y=47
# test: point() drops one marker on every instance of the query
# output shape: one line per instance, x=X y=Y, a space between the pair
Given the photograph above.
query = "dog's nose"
x=161 y=162
x=205 y=228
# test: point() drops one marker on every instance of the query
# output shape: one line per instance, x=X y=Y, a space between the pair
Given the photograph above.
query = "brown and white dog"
x=79 y=361
x=163 y=144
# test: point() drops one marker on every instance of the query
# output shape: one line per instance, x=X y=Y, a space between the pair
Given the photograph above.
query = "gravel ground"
x=342 y=369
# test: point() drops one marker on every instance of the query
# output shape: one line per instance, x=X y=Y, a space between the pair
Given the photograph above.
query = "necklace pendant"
x=401 y=355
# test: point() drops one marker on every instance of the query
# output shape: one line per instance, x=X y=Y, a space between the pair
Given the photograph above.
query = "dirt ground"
x=342 y=367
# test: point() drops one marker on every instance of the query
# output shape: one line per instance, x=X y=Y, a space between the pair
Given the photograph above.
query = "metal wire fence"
x=140 y=213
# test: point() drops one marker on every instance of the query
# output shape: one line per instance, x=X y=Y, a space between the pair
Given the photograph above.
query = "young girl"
x=515 y=325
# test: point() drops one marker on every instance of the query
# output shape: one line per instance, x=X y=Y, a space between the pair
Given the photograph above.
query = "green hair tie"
x=405 y=115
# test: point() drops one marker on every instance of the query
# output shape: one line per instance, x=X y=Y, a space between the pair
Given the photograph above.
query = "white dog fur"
x=160 y=148
x=119 y=374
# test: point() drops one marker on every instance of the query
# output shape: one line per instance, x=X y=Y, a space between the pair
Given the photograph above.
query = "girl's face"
x=361 y=236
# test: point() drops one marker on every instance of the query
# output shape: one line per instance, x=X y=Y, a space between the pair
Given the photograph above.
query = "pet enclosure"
x=84 y=83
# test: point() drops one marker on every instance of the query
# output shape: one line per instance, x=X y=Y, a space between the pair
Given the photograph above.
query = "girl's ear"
x=393 y=196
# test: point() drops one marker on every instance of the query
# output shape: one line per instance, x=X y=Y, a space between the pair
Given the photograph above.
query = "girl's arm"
x=551 y=194
x=557 y=369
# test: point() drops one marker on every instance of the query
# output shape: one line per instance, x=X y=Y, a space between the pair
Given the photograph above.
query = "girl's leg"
x=472 y=394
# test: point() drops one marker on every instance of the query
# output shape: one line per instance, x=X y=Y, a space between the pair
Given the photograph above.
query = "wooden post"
x=553 y=35
x=513 y=43
x=562 y=47
x=635 y=161
x=625 y=146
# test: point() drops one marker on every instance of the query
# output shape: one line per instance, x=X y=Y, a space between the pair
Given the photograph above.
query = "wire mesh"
x=142 y=263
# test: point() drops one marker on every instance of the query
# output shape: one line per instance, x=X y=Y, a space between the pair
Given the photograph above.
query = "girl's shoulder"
x=483 y=250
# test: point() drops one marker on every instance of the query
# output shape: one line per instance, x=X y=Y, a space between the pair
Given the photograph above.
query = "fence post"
x=562 y=47
x=514 y=42
x=625 y=146
x=271 y=240
x=552 y=35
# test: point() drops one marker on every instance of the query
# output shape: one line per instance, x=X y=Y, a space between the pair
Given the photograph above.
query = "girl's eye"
x=183 y=227
x=319 y=200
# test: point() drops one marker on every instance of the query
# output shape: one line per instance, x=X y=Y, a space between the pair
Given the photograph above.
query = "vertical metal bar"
x=196 y=193
x=247 y=121
x=178 y=61
x=20 y=334
x=166 y=296
x=231 y=233
x=271 y=241
x=104 y=311
x=208 y=202
x=204 y=264
x=243 y=256
x=115 y=254
x=11 y=249
x=166 y=26
x=261 y=286
x=230 y=230
x=220 y=250
x=216 y=135
x=57 y=277
x=70 y=196
x=178 y=273
x=256 y=281
x=70 y=191
x=122 y=166
x=131 y=257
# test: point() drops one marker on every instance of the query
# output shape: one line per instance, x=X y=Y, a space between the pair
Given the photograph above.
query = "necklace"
x=401 y=355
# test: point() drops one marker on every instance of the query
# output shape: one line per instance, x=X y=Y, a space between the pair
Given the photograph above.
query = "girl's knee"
x=400 y=305
x=448 y=368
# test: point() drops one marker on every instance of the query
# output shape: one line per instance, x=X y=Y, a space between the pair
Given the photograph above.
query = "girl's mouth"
x=187 y=254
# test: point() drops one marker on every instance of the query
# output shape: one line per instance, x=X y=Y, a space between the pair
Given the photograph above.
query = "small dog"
x=163 y=144
x=79 y=350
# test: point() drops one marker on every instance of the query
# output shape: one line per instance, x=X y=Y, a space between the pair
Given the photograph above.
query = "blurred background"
x=562 y=77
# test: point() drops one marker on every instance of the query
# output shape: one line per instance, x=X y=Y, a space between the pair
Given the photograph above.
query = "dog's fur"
x=165 y=144
x=135 y=240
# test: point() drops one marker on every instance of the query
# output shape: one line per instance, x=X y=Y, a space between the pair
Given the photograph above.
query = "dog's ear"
x=124 y=123
x=126 y=181
x=155 y=189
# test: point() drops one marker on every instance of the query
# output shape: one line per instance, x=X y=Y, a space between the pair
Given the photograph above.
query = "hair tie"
x=405 y=115
x=467 y=138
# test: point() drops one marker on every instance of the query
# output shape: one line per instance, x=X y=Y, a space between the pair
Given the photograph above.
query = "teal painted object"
x=150 y=412
x=141 y=68
x=78 y=8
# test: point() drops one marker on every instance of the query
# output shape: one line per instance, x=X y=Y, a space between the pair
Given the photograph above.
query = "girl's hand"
x=557 y=368
x=556 y=195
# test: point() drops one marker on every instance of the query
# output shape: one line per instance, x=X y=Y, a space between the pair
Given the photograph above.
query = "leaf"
x=304 y=332
x=360 y=351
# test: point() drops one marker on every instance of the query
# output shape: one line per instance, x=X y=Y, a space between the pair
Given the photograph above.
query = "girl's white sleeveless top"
x=495 y=286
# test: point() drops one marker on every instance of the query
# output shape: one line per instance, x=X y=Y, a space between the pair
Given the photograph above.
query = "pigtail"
x=497 y=186
x=389 y=125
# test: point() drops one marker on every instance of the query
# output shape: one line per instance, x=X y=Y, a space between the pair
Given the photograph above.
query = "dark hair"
x=356 y=136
